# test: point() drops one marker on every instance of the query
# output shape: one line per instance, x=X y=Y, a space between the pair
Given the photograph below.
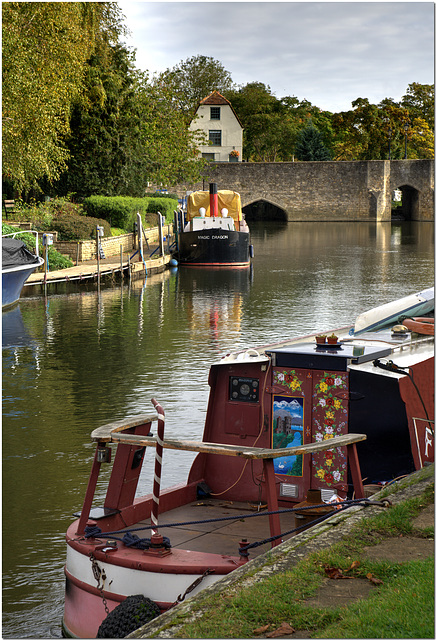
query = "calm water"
x=77 y=360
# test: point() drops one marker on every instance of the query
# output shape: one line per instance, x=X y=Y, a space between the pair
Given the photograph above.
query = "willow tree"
x=45 y=46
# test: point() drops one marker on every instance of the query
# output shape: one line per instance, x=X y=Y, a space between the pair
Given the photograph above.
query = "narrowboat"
x=17 y=265
x=321 y=414
x=215 y=233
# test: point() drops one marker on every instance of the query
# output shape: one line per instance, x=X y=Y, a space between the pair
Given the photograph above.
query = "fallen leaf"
x=261 y=629
x=285 y=629
x=374 y=580
x=353 y=565
x=335 y=574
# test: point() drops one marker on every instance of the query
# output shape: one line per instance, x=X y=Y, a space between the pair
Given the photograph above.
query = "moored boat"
x=215 y=233
x=17 y=265
x=282 y=420
x=391 y=312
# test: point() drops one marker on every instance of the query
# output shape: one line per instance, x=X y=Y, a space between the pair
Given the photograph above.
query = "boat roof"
x=230 y=200
x=354 y=351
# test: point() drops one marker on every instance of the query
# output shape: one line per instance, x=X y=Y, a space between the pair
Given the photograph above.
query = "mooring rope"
x=96 y=532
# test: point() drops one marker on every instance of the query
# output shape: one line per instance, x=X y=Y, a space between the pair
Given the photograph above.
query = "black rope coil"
x=132 y=540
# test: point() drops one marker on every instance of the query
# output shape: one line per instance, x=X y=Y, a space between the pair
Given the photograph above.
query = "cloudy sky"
x=329 y=53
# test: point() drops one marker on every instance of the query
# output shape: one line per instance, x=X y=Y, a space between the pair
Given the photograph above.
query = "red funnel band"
x=213 y=200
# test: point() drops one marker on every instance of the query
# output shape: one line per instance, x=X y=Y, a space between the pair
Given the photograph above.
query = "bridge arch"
x=410 y=203
x=264 y=210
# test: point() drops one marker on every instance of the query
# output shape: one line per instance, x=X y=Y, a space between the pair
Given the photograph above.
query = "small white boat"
x=417 y=304
x=18 y=263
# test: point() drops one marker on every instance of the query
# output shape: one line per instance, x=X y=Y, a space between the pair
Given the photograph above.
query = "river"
x=76 y=360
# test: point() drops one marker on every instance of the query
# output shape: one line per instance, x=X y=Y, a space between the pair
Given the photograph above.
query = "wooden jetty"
x=103 y=269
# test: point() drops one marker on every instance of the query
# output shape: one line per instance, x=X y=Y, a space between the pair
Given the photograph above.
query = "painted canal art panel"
x=288 y=431
x=330 y=419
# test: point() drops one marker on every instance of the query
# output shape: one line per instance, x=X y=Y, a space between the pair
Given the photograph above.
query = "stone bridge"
x=334 y=191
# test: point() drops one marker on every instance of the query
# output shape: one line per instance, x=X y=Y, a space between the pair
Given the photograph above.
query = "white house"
x=216 y=118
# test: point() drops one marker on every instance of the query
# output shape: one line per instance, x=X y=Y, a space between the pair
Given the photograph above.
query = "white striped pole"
x=157 y=466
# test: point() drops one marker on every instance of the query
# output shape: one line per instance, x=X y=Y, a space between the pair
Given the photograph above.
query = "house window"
x=215 y=113
x=215 y=137
x=208 y=156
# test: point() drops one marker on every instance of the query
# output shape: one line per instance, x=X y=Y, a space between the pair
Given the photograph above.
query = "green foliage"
x=117 y=211
x=121 y=211
x=368 y=131
x=103 y=144
x=419 y=101
x=79 y=117
x=45 y=46
x=310 y=146
x=167 y=148
x=165 y=207
x=271 y=125
x=72 y=227
x=267 y=131
x=65 y=217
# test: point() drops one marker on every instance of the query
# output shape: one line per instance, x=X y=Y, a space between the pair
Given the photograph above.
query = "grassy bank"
x=400 y=603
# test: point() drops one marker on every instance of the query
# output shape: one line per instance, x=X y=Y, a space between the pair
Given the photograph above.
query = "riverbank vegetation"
x=78 y=221
x=79 y=118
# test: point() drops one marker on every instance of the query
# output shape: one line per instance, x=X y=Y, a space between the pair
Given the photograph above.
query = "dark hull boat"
x=215 y=233
x=282 y=421
x=17 y=265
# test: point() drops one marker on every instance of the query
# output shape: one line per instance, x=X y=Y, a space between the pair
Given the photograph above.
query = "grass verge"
x=401 y=604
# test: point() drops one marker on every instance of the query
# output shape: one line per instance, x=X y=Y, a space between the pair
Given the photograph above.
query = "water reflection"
x=83 y=357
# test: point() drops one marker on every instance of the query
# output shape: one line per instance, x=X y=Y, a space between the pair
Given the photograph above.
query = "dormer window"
x=215 y=113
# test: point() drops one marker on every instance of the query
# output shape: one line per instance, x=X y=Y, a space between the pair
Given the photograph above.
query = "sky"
x=329 y=53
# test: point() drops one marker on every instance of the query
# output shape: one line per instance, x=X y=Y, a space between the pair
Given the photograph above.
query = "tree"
x=377 y=132
x=104 y=127
x=419 y=101
x=421 y=140
x=310 y=146
x=45 y=47
x=193 y=79
x=125 y=132
x=267 y=131
x=168 y=149
x=364 y=133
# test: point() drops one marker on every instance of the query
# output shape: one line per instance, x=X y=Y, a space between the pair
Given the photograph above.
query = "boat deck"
x=221 y=537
